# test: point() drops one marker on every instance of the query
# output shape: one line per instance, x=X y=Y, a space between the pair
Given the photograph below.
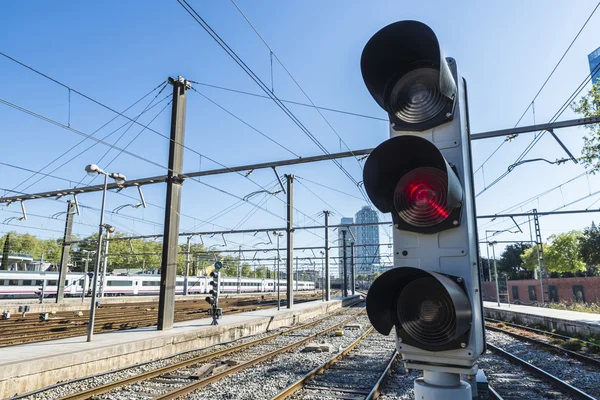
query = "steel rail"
x=214 y=378
x=98 y=390
x=493 y=394
x=298 y=385
x=107 y=324
x=572 y=390
x=574 y=354
x=541 y=332
x=375 y=391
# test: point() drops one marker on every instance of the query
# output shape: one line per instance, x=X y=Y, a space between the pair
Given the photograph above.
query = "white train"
x=25 y=284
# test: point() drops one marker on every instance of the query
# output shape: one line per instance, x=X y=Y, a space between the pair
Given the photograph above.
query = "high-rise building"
x=344 y=221
x=594 y=60
x=367 y=239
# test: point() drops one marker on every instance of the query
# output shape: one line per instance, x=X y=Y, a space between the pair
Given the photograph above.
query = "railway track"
x=181 y=377
x=357 y=372
x=57 y=328
x=562 y=385
x=493 y=323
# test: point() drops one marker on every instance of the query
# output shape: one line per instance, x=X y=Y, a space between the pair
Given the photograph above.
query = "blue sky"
x=117 y=52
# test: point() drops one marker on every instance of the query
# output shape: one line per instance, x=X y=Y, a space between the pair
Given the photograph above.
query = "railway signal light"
x=422 y=176
x=213 y=299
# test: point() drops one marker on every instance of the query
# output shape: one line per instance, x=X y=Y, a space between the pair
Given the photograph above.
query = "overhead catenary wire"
x=532 y=103
x=127 y=130
x=354 y=114
x=39 y=171
x=192 y=12
x=537 y=138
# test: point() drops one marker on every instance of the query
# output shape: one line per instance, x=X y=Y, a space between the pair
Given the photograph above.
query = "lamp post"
x=94 y=170
x=278 y=234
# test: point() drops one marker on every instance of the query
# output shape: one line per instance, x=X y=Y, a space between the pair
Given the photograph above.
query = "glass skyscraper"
x=594 y=60
x=366 y=250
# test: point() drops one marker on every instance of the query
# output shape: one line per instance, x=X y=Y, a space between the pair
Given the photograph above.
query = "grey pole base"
x=441 y=386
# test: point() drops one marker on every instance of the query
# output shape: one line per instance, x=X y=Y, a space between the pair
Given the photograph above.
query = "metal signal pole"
x=290 y=240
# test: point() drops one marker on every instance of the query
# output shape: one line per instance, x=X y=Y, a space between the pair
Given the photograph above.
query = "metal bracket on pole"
x=278 y=179
x=77 y=209
x=562 y=145
x=142 y=197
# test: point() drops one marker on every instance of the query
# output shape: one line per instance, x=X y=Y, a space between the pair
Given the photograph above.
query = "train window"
x=179 y=283
x=579 y=293
x=532 y=293
x=553 y=293
x=2 y=282
x=515 y=292
x=13 y=282
x=119 y=283
x=27 y=283
x=147 y=283
x=52 y=283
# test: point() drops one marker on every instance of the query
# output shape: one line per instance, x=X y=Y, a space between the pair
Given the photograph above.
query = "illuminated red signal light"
x=420 y=197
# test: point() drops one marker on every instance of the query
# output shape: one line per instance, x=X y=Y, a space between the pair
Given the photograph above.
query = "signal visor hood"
x=396 y=157
x=406 y=73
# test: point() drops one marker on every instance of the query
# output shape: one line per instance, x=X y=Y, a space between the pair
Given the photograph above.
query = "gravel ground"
x=561 y=365
x=162 y=385
x=75 y=387
x=270 y=377
x=513 y=382
x=399 y=385
x=359 y=370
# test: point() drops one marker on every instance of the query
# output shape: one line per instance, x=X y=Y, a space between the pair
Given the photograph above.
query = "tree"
x=563 y=253
x=589 y=247
x=589 y=106
x=530 y=258
x=510 y=262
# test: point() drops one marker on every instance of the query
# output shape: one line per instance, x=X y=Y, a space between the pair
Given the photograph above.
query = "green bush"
x=572 y=344
x=580 y=307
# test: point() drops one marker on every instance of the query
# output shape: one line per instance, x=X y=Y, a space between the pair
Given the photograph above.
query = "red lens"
x=420 y=197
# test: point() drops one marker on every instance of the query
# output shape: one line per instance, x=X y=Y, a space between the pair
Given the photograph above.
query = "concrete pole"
x=168 y=267
x=345 y=280
x=496 y=274
x=487 y=249
x=352 y=276
x=239 y=269
x=85 y=271
x=104 y=264
x=187 y=267
x=66 y=249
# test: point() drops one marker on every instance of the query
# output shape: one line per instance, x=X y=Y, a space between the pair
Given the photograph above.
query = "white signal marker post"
x=422 y=176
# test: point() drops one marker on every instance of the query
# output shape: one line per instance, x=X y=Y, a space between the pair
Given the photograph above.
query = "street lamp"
x=278 y=234
x=94 y=170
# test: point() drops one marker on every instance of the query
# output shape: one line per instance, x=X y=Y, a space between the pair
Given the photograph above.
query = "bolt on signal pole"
x=168 y=269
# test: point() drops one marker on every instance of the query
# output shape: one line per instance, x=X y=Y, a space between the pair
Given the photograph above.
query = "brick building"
x=561 y=289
